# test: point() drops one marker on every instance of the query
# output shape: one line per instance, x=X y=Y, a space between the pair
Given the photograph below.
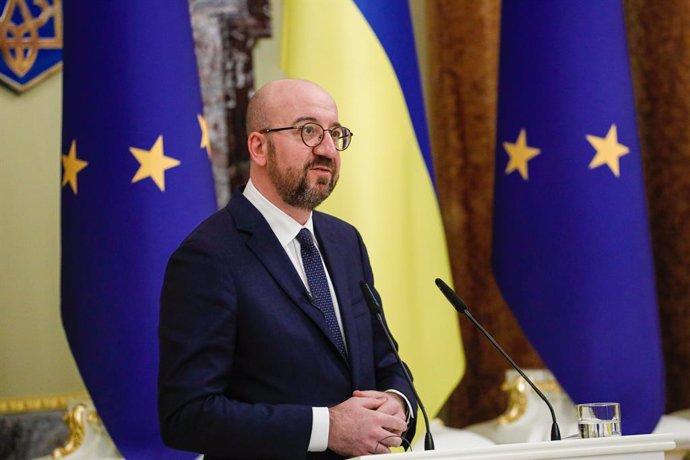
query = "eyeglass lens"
x=312 y=135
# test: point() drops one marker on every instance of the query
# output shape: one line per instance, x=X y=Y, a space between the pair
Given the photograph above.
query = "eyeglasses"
x=312 y=134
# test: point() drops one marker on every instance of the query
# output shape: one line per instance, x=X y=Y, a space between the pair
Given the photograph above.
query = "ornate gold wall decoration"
x=517 y=389
x=76 y=420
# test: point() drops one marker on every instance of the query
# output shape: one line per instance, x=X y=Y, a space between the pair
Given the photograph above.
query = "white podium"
x=639 y=447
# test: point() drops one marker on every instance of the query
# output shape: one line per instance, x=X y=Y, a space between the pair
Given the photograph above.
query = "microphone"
x=377 y=311
x=460 y=306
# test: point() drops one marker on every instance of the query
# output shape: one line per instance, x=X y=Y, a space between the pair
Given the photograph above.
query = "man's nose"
x=326 y=147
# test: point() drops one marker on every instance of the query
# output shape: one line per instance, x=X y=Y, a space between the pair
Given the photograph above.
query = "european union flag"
x=572 y=253
x=136 y=179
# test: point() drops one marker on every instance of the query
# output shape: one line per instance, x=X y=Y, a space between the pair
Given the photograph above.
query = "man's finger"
x=368 y=403
x=370 y=394
x=381 y=449
x=394 y=423
x=392 y=440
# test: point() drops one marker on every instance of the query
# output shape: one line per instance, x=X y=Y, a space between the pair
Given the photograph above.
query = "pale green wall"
x=418 y=9
x=267 y=50
x=34 y=356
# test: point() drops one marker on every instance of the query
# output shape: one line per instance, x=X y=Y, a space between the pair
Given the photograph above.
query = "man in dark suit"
x=267 y=347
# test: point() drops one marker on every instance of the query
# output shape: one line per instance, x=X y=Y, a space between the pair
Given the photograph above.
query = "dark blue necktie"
x=318 y=284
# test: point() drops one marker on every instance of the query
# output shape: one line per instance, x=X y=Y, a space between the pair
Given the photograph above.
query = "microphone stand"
x=377 y=311
x=461 y=307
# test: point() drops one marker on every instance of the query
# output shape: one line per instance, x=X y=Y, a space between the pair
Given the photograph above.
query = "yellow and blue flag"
x=363 y=53
x=571 y=250
x=136 y=179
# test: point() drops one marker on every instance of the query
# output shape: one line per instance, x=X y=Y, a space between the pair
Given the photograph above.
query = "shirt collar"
x=285 y=227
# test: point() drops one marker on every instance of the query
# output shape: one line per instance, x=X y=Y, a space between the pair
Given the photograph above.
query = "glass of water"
x=599 y=420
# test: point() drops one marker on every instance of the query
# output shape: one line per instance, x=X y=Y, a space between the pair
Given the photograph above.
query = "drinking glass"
x=599 y=420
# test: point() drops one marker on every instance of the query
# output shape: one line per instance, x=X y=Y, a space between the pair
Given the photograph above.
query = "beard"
x=293 y=186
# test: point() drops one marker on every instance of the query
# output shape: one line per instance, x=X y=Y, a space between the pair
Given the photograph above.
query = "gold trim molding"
x=39 y=403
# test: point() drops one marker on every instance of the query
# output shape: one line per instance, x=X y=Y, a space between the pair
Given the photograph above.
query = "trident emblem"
x=26 y=30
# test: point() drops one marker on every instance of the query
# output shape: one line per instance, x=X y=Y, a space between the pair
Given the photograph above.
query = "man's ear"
x=257 y=144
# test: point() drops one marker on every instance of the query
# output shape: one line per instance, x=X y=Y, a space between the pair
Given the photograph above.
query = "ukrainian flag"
x=363 y=53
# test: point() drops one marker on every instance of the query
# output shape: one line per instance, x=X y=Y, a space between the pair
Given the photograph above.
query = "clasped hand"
x=370 y=422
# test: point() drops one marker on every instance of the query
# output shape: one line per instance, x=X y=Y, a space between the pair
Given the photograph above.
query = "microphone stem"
x=555 y=431
x=428 y=438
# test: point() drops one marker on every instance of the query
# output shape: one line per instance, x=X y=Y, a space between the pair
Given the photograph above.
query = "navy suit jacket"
x=244 y=355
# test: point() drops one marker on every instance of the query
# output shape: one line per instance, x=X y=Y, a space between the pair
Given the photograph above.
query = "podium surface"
x=638 y=447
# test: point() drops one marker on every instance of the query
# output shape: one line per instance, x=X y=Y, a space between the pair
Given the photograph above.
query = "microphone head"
x=370 y=298
x=452 y=297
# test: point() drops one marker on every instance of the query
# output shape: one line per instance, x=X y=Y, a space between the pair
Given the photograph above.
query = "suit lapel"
x=265 y=245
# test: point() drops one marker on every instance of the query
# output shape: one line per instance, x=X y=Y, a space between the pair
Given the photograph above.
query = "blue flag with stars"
x=571 y=250
x=136 y=180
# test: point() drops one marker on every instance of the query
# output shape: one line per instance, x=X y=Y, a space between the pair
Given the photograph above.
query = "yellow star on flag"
x=608 y=150
x=72 y=165
x=520 y=153
x=205 y=141
x=153 y=163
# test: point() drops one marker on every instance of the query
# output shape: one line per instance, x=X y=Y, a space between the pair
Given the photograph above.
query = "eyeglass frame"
x=301 y=132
